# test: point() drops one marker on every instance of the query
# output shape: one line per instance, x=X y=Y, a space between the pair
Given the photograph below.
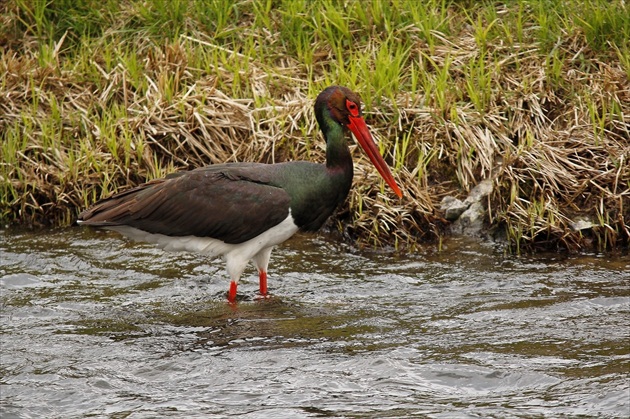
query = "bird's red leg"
x=262 y=276
x=232 y=292
x=261 y=260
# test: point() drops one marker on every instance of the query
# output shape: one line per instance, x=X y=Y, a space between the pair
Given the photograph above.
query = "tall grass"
x=100 y=95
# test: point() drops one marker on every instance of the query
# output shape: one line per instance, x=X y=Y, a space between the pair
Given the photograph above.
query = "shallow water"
x=93 y=325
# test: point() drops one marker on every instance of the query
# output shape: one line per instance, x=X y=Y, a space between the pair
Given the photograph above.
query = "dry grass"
x=482 y=93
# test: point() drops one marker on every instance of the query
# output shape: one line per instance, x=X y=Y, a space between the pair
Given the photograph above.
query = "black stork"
x=242 y=210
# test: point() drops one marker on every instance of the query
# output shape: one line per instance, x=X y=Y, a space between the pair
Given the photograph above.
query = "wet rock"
x=470 y=223
x=453 y=207
x=480 y=191
x=467 y=216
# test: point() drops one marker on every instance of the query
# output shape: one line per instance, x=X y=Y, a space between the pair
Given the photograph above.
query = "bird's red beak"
x=363 y=136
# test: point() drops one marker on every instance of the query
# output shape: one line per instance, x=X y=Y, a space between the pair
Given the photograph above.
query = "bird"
x=241 y=210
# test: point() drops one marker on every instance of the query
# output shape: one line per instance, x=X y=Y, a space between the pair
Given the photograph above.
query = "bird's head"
x=340 y=105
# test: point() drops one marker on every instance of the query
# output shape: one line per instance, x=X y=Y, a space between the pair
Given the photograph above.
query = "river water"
x=95 y=326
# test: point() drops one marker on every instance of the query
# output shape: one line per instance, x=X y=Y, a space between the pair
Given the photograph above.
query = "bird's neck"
x=338 y=156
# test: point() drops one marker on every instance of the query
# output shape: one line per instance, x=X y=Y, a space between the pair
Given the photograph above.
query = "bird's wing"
x=232 y=203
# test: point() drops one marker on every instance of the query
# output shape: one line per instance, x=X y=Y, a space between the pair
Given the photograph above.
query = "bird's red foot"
x=232 y=292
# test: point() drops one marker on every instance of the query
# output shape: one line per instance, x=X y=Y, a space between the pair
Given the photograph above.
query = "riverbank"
x=533 y=98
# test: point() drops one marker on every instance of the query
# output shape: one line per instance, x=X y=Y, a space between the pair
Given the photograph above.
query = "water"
x=94 y=326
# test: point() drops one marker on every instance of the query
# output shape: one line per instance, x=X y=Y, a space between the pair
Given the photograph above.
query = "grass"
x=97 y=96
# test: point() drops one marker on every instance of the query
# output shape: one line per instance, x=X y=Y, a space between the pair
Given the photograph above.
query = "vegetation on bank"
x=96 y=96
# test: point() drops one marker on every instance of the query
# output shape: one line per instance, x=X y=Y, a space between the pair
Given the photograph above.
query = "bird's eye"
x=352 y=107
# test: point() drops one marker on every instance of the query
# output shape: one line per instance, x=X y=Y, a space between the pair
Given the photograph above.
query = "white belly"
x=213 y=247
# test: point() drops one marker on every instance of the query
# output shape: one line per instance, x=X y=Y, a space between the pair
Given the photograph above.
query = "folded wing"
x=231 y=202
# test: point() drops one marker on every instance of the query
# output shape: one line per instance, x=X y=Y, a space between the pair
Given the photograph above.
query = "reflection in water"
x=93 y=325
